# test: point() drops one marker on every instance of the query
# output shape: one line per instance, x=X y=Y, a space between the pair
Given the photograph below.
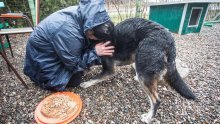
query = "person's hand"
x=102 y=49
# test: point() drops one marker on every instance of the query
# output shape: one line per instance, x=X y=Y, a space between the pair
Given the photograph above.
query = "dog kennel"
x=181 y=17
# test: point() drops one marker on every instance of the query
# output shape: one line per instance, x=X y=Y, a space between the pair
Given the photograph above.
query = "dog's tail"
x=174 y=79
x=177 y=83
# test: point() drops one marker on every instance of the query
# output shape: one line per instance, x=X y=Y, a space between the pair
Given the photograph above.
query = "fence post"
x=138 y=8
x=33 y=11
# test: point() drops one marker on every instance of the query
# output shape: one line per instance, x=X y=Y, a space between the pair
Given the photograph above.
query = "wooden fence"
x=118 y=10
x=123 y=9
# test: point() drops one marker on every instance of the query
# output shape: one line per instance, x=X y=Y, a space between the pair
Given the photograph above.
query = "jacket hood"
x=93 y=13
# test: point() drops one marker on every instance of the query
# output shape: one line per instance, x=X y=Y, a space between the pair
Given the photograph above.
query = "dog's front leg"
x=107 y=71
x=135 y=77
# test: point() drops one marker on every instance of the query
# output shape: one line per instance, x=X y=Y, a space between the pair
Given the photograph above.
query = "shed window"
x=195 y=16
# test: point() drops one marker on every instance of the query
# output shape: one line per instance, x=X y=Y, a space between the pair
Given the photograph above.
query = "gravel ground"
x=120 y=100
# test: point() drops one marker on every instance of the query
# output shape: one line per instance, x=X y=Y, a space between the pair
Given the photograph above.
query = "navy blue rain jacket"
x=57 y=48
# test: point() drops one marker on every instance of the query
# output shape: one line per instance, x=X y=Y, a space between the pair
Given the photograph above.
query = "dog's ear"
x=112 y=38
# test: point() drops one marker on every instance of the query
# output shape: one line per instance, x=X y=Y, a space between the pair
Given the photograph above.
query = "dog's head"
x=104 y=31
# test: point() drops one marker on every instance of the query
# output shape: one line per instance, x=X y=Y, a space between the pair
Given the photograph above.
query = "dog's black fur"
x=152 y=48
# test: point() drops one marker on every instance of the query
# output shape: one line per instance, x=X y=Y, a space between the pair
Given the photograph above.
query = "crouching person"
x=58 y=50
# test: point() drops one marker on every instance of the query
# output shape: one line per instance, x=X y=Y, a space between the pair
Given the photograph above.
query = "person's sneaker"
x=73 y=84
x=75 y=80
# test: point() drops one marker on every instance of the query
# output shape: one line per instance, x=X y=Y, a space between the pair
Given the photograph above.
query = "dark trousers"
x=74 y=81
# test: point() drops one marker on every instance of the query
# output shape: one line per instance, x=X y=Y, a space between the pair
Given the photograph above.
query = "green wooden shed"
x=181 y=17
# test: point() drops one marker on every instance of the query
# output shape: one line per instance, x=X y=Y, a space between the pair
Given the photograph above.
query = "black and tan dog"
x=152 y=48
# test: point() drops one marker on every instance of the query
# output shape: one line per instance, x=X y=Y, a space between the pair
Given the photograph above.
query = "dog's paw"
x=87 y=84
x=136 y=78
x=146 y=118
